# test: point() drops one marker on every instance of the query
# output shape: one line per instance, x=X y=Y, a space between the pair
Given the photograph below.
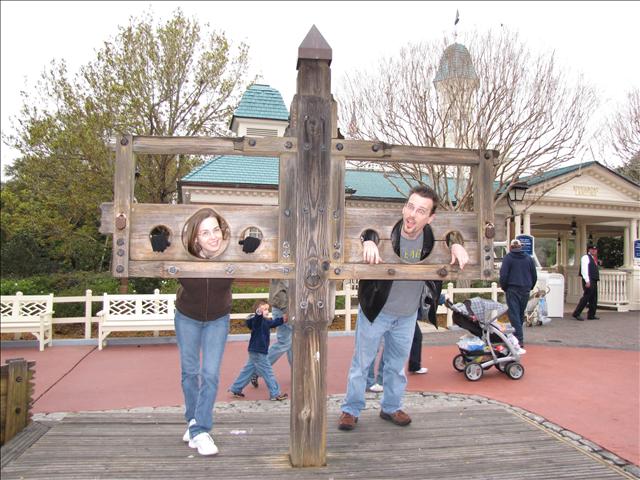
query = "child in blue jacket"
x=260 y=327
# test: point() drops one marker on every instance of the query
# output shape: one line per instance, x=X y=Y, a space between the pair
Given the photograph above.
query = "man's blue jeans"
x=200 y=380
x=372 y=378
x=283 y=340
x=517 y=299
x=398 y=334
x=257 y=362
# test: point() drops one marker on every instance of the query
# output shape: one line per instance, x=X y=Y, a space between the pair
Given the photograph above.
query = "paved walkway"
x=581 y=378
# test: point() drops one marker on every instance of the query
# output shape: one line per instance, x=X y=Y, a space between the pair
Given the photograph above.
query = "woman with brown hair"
x=203 y=307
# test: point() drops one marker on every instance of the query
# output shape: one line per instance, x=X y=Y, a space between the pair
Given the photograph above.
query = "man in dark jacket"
x=589 y=274
x=389 y=308
x=517 y=278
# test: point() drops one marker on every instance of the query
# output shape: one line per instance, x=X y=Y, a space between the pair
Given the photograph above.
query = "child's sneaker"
x=236 y=394
x=254 y=380
x=376 y=388
x=280 y=397
x=204 y=443
x=186 y=436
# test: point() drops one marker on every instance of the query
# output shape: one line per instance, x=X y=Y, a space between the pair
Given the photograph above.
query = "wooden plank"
x=403 y=272
x=210 y=269
x=287 y=212
x=256 y=146
x=18 y=400
x=379 y=151
x=483 y=208
x=146 y=217
x=123 y=198
x=253 y=445
x=22 y=441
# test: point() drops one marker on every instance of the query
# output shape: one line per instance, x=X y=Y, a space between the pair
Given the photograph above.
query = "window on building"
x=261 y=132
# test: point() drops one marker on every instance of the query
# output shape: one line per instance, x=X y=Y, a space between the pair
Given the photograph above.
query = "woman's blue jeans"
x=398 y=334
x=200 y=380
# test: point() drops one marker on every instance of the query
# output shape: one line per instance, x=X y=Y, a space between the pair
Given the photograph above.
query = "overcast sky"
x=598 y=39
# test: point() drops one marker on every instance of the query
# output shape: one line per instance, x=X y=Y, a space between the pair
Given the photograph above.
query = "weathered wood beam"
x=169 y=269
x=483 y=202
x=313 y=126
x=267 y=146
x=382 y=152
x=124 y=184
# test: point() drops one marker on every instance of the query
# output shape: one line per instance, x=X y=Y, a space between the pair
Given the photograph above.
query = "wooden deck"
x=478 y=442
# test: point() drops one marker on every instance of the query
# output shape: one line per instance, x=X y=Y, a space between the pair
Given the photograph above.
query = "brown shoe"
x=347 y=421
x=398 y=417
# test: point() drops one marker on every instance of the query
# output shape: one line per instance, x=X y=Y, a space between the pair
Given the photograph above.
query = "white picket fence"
x=349 y=292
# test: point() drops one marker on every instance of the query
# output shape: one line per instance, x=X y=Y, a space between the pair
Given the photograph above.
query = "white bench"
x=135 y=313
x=28 y=314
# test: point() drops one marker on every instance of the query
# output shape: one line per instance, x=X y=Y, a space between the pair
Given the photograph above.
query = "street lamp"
x=516 y=194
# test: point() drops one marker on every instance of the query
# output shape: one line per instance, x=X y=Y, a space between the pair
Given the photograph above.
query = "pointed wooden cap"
x=314 y=47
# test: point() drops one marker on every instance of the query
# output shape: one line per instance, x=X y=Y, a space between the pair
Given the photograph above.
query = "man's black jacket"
x=373 y=294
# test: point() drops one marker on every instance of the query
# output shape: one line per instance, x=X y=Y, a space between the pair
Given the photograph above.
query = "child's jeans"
x=260 y=363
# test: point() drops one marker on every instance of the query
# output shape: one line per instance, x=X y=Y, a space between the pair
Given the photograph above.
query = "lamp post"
x=516 y=194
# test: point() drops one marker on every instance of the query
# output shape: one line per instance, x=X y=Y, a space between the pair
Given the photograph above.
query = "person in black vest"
x=590 y=276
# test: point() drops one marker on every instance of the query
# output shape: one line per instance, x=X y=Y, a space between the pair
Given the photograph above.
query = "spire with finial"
x=455 y=24
x=314 y=47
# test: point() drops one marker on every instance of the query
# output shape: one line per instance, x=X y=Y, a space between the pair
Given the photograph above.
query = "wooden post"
x=88 y=313
x=483 y=196
x=124 y=182
x=314 y=203
x=17 y=390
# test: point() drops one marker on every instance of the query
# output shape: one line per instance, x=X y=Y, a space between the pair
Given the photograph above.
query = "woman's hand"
x=370 y=252
x=460 y=254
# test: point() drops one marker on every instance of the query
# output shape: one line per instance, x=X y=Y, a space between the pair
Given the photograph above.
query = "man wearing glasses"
x=388 y=309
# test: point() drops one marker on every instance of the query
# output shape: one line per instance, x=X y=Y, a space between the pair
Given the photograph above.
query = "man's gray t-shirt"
x=404 y=297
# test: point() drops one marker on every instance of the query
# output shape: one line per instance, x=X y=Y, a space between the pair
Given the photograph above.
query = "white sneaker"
x=185 y=437
x=422 y=371
x=376 y=388
x=521 y=351
x=204 y=443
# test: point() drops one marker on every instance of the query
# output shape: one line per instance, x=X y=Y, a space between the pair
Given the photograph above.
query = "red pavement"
x=593 y=392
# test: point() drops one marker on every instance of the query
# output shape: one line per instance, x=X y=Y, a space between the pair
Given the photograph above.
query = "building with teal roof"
x=564 y=209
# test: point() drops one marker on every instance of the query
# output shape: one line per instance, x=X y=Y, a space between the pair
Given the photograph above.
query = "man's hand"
x=587 y=284
x=370 y=252
x=285 y=317
x=460 y=254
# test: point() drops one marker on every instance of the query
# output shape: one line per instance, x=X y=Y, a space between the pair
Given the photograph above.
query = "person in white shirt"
x=590 y=275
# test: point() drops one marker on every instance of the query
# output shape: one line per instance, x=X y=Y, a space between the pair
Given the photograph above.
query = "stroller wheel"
x=473 y=372
x=459 y=362
x=515 y=370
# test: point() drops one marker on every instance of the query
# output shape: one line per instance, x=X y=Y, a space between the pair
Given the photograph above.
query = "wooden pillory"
x=310 y=238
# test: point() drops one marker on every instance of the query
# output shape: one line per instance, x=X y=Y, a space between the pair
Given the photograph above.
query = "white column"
x=527 y=223
x=518 y=225
x=582 y=243
x=627 y=248
x=633 y=237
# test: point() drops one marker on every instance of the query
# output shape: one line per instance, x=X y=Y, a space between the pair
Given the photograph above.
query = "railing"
x=349 y=292
x=613 y=288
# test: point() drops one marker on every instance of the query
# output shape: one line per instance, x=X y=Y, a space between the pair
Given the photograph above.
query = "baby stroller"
x=493 y=344
x=536 y=311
